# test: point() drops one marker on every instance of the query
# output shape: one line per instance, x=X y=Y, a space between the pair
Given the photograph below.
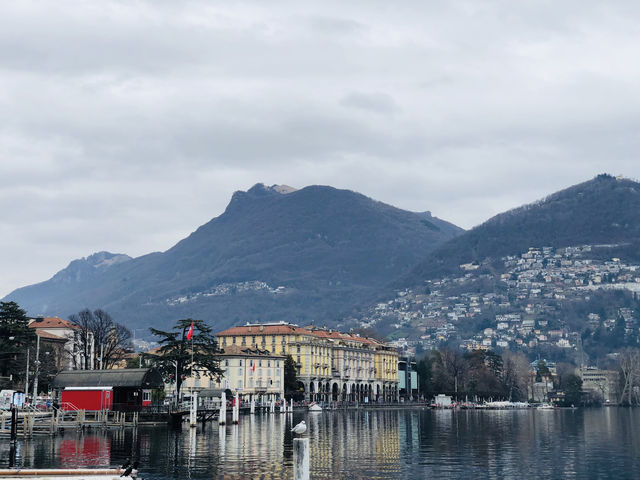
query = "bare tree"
x=454 y=365
x=99 y=338
x=112 y=340
x=517 y=374
x=82 y=340
x=629 y=360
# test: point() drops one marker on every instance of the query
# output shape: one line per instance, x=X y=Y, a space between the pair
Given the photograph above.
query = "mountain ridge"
x=328 y=249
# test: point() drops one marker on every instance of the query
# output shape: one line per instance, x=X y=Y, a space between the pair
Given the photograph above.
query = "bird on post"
x=126 y=464
x=300 y=428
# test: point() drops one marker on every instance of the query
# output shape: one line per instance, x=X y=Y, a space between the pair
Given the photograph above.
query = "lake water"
x=371 y=444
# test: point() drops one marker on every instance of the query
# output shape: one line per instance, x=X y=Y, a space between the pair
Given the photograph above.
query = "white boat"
x=62 y=473
x=545 y=406
x=314 y=407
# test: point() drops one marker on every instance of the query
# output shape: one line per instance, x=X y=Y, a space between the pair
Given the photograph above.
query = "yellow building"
x=332 y=366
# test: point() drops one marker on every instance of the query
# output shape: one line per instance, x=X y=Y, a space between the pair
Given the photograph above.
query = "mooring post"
x=236 y=409
x=253 y=405
x=291 y=405
x=301 y=459
x=14 y=424
x=193 y=412
x=273 y=406
x=283 y=405
x=222 y=416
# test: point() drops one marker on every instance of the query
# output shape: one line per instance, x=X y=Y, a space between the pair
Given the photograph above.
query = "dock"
x=30 y=422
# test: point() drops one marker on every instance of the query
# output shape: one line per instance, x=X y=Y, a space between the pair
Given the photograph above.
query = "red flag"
x=190 y=333
x=253 y=367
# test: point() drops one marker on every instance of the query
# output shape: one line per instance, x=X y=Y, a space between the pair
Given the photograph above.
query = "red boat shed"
x=119 y=389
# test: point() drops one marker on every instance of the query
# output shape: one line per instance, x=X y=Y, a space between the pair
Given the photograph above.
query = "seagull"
x=126 y=464
x=300 y=428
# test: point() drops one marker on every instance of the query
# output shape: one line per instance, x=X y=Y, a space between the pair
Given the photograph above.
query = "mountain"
x=276 y=253
x=605 y=210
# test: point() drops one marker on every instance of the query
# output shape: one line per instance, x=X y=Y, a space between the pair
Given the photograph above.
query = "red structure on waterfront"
x=121 y=390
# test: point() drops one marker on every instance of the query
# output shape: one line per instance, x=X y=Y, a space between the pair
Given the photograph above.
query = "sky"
x=124 y=125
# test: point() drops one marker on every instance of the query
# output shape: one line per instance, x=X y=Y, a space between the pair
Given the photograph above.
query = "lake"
x=372 y=444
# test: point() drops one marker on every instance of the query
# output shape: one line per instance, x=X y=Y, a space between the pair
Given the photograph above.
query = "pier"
x=29 y=422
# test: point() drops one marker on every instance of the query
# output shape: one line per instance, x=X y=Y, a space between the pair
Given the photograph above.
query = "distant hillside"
x=276 y=253
x=605 y=210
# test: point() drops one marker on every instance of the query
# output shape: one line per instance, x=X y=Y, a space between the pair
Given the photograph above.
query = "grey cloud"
x=124 y=126
x=373 y=102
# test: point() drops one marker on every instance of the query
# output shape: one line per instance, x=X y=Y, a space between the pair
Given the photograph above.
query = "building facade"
x=407 y=378
x=66 y=335
x=331 y=366
x=603 y=384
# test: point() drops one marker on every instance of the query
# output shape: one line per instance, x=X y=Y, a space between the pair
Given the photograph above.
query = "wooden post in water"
x=301 y=459
x=283 y=405
x=253 y=405
x=272 y=409
x=236 y=409
x=193 y=411
x=14 y=424
x=290 y=409
x=222 y=416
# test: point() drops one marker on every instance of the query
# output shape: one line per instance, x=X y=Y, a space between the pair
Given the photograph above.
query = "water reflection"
x=375 y=444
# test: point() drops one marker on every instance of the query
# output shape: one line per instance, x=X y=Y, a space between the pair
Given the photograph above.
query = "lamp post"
x=35 y=380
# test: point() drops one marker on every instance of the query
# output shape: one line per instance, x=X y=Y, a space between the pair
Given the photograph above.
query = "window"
x=259 y=363
x=234 y=340
x=146 y=395
x=278 y=363
x=244 y=341
x=268 y=363
x=226 y=363
x=239 y=371
x=240 y=362
x=298 y=348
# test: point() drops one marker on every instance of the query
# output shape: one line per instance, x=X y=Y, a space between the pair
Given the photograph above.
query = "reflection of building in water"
x=331 y=365
x=93 y=450
x=337 y=439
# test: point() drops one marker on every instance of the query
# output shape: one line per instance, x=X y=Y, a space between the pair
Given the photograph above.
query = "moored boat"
x=314 y=407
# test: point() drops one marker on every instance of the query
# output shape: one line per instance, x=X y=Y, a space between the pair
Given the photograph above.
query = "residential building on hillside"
x=332 y=366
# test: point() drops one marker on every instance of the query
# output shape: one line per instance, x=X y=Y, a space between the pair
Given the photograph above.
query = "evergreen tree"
x=15 y=338
x=177 y=357
x=290 y=377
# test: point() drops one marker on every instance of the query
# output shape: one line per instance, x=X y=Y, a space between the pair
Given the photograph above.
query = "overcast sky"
x=124 y=125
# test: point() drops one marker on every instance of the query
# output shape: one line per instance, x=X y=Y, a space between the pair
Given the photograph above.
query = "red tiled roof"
x=285 y=329
x=52 y=322
x=280 y=329
x=49 y=336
